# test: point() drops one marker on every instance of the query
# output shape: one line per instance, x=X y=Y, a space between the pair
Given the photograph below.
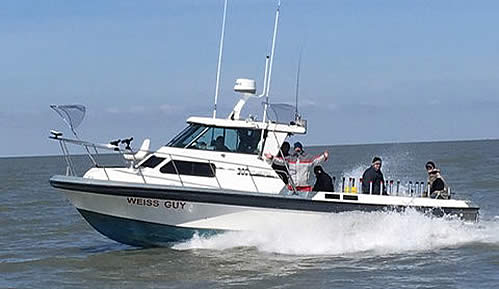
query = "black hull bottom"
x=140 y=233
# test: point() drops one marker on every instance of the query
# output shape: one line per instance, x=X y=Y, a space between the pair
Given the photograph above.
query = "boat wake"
x=377 y=233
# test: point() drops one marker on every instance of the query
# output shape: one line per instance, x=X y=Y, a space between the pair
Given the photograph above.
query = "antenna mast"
x=219 y=65
x=297 y=92
x=271 y=61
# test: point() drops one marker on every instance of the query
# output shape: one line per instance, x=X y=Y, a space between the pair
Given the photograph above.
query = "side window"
x=231 y=140
x=248 y=140
x=168 y=168
x=152 y=162
x=189 y=168
x=213 y=139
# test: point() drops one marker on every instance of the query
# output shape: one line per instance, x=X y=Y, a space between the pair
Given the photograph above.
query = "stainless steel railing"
x=94 y=147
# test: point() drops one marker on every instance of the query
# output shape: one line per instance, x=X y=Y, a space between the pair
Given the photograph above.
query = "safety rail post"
x=370 y=187
x=343 y=185
x=252 y=179
x=95 y=162
x=215 y=175
x=428 y=187
x=334 y=183
x=290 y=180
x=381 y=187
x=176 y=170
x=69 y=163
x=90 y=155
x=139 y=169
x=132 y=153
x=134 y=162
x=361 y=181
x=70 y=160
x=398 y=187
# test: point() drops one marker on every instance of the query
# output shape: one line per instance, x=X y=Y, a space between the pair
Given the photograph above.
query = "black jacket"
x=282 y=172
x=324 y=183
x=376 y=177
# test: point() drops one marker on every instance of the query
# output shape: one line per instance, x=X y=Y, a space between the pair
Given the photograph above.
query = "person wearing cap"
x=373 y=175
x=299 y=164
x=437 y=184
x=323 y=182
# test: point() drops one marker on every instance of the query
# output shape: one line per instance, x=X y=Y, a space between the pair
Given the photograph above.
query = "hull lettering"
x=142 y=202
x=177 y=205
x=152 y=203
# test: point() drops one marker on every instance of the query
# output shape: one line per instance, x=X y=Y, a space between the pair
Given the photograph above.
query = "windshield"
x=238 y=140
x=186 y=136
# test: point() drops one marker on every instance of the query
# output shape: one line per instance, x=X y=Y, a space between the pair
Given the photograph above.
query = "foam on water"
x=377 y=233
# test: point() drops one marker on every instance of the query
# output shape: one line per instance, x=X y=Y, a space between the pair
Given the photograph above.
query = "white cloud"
x=169 y=108
x=113 y=110
x=137 y=109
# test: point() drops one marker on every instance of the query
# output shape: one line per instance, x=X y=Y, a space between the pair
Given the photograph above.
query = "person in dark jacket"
x=323 y=181
x=280 y=167
x=373 y=174
x=438 y=186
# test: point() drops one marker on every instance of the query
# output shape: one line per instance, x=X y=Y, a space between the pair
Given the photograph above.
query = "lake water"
x=45 y=243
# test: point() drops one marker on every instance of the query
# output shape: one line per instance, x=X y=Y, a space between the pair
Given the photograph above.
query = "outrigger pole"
x=271 y=61
x=219 y=65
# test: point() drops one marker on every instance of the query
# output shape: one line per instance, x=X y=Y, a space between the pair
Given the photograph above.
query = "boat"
x=212 y=177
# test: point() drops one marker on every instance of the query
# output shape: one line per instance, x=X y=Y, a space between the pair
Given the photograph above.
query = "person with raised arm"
x=299 y=164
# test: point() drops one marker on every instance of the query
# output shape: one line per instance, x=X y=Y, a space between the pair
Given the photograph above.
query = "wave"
x=375 y=233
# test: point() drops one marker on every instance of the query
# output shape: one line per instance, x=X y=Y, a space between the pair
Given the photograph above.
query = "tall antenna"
x=271 y=60
x=297 y=92
x=219 y=65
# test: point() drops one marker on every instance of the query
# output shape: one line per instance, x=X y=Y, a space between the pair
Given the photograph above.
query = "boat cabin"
x=234 y=136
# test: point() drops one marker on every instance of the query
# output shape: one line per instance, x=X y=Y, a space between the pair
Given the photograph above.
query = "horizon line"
x=313 y=145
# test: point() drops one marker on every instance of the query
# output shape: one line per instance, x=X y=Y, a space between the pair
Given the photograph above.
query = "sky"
x=371 y=71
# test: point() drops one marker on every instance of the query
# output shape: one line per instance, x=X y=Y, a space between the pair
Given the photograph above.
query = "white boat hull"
x=151 y=215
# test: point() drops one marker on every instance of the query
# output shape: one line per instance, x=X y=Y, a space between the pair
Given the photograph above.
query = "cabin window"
x=238 y=140
x=189 y=168
x=185 y=137
x=152 y=162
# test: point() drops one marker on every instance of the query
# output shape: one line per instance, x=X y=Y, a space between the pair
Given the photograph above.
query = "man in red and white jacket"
x=299 y=164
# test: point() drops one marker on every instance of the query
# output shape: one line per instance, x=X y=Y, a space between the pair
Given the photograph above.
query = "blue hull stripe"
x=140 y=233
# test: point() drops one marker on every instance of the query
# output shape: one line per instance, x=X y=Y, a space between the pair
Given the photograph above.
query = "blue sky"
x=372 y=71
